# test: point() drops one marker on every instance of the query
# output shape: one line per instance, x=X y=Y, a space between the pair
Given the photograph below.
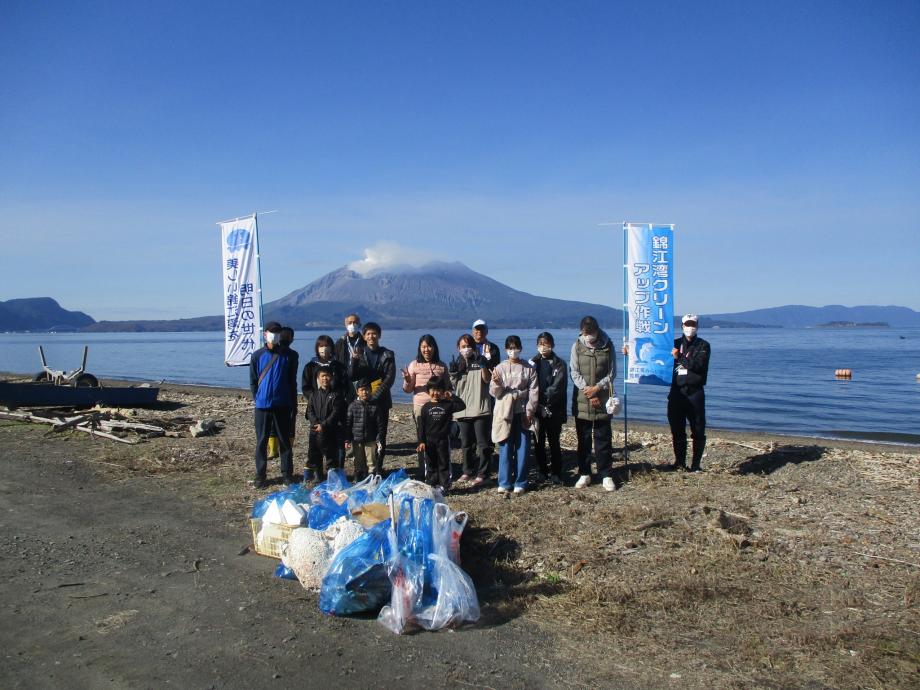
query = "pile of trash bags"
x=390 y=546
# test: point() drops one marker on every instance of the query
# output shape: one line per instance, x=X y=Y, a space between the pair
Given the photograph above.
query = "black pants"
x=687 y=408
x=476 y=444
x=599 y=431
x=437 y=466
x=550 y=430
x=325 y=445
x=275 y=420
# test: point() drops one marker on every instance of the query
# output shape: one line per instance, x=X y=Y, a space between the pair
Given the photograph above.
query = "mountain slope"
x=801 y=316
x=40 y=314
x=438 y=294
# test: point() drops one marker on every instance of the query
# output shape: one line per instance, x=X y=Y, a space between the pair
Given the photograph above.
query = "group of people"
x=514 y=402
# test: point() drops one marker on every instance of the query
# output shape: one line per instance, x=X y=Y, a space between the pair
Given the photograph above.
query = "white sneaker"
x=609 y=485
x=502 y=490
x=519 y=490
x=583 y=481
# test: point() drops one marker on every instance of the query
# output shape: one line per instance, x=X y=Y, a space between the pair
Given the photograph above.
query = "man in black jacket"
x=377 y=365
x=687 y=400
x=348 y=351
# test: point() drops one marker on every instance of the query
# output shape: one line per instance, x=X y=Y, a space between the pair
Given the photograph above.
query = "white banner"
x=242 y=291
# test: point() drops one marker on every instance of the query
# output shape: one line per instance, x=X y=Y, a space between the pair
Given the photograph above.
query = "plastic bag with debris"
x=357 y=580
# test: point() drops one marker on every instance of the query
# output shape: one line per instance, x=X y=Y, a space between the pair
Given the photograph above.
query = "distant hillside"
x=40 y=314
x=800 y=316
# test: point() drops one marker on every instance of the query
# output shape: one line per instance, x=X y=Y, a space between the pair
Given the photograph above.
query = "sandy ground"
x=787 y=563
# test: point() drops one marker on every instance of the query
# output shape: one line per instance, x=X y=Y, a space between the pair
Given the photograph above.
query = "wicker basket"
x=272 y=539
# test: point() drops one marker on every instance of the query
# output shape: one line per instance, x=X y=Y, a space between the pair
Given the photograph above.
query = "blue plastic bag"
x=383 y=491
x=285 y=573
x=297 y=493
x=328 y=503
x=429 y=588
x=357 y=581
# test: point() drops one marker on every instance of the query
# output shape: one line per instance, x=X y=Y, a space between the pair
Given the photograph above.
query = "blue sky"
x=782 y=139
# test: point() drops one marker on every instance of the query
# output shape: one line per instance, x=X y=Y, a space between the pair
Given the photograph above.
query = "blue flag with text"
x=649 y=267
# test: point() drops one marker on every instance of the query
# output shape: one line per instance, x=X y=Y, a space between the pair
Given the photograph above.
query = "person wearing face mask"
x=490 y=356
x=552 y=381
x=418 y=372
x=324 y=360
x=273 y=383
x=687 y=400
x=377 y=365
x=470 y=379
x=348 y=351
x=593 y=367
x=514 y=378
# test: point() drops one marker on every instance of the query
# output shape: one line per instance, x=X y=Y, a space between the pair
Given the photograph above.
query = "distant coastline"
x=853 y=324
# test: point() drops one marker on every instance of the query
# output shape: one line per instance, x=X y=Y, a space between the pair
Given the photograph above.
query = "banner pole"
x=625 y=356
x=255 y=217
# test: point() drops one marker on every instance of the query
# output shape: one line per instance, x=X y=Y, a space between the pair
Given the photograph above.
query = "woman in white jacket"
x=514 y=378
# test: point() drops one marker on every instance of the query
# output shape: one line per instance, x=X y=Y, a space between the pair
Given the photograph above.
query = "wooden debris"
x=92 y=423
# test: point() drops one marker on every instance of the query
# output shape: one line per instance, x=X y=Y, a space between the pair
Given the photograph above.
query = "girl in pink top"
x=427 y=363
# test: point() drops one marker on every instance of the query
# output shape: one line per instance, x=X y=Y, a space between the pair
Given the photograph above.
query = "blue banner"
x=649 y=267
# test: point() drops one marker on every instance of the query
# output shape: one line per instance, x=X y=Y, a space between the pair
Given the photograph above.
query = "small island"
x=853 y=324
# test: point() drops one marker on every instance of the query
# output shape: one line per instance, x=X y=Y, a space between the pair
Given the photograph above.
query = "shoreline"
x=738 y=435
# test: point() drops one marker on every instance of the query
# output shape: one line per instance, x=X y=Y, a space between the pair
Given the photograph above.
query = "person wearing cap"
x=687 y=400
x=287 y=338
x=490 y=357
x=273 y=383
x=592 y=367
x=486 y=349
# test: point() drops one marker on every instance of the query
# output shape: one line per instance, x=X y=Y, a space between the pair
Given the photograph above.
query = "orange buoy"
x=843 y=373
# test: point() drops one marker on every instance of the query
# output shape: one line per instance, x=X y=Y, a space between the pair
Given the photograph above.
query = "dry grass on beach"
x=788 y=562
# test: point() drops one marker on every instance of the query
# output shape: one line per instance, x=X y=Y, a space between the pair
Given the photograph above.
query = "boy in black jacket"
x=434 y=429
x=326 y=412
x=362 y=429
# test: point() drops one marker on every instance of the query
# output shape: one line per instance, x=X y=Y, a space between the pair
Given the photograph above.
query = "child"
x=434 y=429
x=362 y=429
x=325 y=412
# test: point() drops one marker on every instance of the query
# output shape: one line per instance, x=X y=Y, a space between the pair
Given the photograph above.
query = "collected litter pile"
x=391 y=546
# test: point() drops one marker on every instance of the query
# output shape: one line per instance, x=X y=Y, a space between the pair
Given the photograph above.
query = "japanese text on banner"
x=242 y=302
x=650 y=303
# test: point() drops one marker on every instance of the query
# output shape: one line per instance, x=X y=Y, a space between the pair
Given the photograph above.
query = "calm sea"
x=779 y=380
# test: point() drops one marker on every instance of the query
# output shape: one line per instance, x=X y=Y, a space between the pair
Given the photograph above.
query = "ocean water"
x=778 y=380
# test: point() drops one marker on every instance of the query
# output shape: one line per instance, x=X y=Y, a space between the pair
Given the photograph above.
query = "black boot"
x=680 y=454
x=699 y=444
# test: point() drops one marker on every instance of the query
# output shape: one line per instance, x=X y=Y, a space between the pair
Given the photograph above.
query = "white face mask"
x=325 y=351
x=466 y=351
x=512 y=354
x=352 y=328
x=273 y=338
x=545 y=350
x=690 y=331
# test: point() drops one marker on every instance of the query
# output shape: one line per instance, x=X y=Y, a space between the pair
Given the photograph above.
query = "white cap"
x=690 y=317
x=479 y=323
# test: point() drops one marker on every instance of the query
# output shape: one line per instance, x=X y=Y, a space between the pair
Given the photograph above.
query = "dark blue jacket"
x=279 y=385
